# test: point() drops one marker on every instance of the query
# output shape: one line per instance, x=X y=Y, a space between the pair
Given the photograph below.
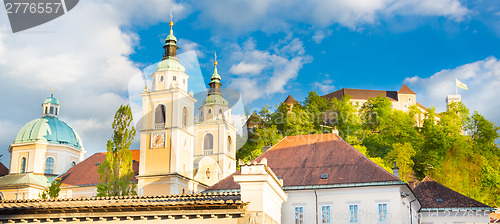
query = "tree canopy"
x=116 y=171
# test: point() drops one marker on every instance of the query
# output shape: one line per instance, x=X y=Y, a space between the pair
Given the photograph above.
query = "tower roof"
x=405 y=90
x=290 y=100
x=51 y=100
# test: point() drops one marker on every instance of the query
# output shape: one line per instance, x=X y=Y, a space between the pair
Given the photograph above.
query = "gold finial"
x=171 y=22
x=215 y=62
x=52 y=94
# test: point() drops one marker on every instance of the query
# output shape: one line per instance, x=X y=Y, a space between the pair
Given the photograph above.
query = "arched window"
x=208 y=144
x=161 y=78
x=220 y=112
x=201 y=115
x=49 y=165
x=22 y=168
x=160 y=117
x=175 y=78
x=229 y=142
x=184 y=117
x=73 y=163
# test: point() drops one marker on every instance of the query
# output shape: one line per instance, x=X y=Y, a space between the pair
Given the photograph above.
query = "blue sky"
x=266 y=50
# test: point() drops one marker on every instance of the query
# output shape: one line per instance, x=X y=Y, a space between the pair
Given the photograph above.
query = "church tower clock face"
x=158 y=140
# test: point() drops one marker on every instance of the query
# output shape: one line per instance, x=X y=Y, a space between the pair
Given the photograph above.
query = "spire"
x=215 y=83
x=170 y=42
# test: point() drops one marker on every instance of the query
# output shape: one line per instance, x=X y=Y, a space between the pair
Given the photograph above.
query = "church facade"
x=178 y=153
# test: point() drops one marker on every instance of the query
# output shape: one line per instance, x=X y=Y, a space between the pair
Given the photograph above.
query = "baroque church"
x=179 y=152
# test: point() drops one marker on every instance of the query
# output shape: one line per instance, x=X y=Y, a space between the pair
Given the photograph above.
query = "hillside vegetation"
x=456 y=148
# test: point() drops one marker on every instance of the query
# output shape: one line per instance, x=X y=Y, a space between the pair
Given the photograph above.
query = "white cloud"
x=273 y=68
x=482 y=78
x=277 y=16
x=325 y=86
x=320 y=35
x=246 y=68
x=188 y=45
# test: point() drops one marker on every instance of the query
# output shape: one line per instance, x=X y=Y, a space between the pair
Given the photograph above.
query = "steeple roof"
x=405 y=90
x=290 y=100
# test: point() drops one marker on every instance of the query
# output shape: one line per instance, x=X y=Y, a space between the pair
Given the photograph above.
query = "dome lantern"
x=50 y=107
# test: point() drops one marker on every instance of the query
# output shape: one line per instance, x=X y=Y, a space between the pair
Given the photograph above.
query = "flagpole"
x=456 y=87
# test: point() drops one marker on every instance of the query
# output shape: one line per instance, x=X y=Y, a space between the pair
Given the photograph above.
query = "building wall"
x=37 y=153
x=339 y=200
x=22 y=193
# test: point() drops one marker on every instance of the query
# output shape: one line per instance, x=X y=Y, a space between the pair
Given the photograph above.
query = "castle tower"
x=167 y=135
x=215 y=150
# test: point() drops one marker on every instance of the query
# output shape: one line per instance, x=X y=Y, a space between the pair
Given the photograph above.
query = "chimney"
x=395 y=170
x=335 y=131
x=262 y=189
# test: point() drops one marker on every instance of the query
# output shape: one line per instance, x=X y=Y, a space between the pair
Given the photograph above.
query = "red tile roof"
x=405 y=90
x=3 y=170
x=362 y=94
x=432 y=194
x=85 y=172
x=301 y=160
x=290 y=100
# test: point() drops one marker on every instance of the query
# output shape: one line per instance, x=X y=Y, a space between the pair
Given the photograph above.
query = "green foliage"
x=116 y=171
x=379 y=161
x=53 y=191
x=403 y=154
x=454 y=147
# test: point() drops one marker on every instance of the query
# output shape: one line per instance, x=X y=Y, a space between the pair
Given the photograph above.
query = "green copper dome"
x=215 y=100
x=171 y=64
x=50 y=130
x=51 y=100
x=171 y=36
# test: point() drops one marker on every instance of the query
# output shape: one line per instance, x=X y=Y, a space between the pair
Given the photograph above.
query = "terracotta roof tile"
x=301 y=160
x=191 y=200
x=432 y=194
x=290 y=100
x=362 y=94
x=405 y=90
x=3 y=170
x=85 y=172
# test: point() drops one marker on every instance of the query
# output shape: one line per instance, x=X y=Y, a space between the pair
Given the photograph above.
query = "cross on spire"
x=215 y=56
x=171 y=20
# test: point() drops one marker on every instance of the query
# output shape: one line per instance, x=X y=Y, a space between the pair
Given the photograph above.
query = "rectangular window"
x=353 y=209
x=405 y=105
x=325 y=214
x=299 y=215
x=51 y=110
x=382 y=212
